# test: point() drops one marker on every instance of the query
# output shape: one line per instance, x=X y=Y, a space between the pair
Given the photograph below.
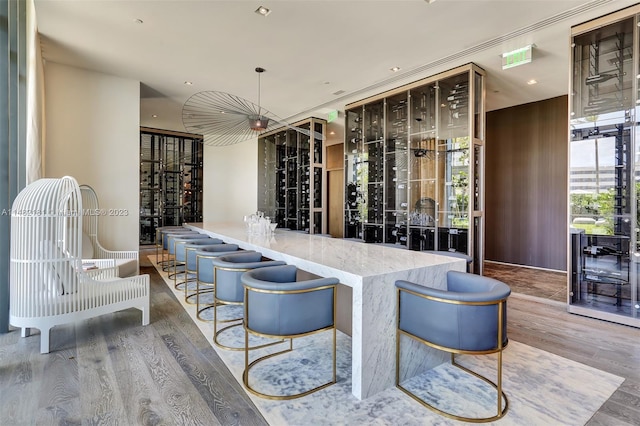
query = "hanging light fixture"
x=226 y=119
x=258 y=122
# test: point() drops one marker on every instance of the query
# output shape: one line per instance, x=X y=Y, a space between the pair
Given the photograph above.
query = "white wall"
x=92 y=125
x=230 y=181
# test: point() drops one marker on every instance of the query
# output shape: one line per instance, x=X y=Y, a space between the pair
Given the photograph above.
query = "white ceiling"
x=311 y=48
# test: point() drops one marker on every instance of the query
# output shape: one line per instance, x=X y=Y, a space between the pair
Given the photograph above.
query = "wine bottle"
x=599 y=78
x=457 y=97
x=603 y=101
x=458 y=106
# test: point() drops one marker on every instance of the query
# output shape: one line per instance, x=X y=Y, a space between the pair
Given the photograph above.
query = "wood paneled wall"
x=526 y=184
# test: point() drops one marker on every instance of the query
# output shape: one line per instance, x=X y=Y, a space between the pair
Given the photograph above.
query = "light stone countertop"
x=371 y=271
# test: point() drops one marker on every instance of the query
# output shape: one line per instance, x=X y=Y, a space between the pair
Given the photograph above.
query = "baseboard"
x=525 y=266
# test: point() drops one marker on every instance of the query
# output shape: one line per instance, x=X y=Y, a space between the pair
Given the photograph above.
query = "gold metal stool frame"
x=249 y=365
x=238 y=321
x=501 y=411
x=210 y=289
x=188 y=272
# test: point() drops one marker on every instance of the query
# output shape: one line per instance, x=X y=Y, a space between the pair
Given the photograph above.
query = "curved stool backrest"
x=204 y=257
x=181 y=245
x=469 y=317
x=276 y=305
x=191 y=249
x=470 y=305
x=229 y=269
x=171 y=240
x=167 y=234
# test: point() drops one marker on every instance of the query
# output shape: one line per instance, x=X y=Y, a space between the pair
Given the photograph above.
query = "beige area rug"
x=543 y=388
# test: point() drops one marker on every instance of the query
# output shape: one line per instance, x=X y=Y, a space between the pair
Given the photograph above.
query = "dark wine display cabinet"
x=604 y=172
x=291 y=176
x=414 y=165
x=170 y=180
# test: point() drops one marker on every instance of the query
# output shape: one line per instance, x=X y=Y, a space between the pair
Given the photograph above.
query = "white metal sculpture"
x=48 y=285
x=126 y=261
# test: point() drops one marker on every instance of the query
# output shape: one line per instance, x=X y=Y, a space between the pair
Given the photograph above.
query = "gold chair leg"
x=238 y=322
x=249 y=365
x=498 y=387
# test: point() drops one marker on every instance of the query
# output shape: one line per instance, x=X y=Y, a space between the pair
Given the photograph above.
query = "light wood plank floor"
x=111 y=370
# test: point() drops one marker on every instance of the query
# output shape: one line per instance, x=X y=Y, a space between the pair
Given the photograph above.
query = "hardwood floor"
x=111 y=370
x=548 y=285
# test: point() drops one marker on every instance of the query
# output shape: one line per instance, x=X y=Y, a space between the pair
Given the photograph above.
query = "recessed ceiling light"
x=155 y=116
x=429 y=1
x=138 y=21
x=395 y=69
x=332 y=132
x=532 y=81
x=188 y=83
x=263 y=11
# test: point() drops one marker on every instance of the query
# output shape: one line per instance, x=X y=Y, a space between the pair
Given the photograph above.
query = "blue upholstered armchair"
x=228 y=288
x=187 y=248
x=164 y=236
x=203 y=258
x=180 y=255
x=469 y=317
x=278 y=306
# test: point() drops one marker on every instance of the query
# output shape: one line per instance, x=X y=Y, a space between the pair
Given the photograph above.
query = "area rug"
x=543 y=388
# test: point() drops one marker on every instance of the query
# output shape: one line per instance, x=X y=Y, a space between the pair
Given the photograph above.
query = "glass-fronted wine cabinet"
x=414 y=165
x=170 y=180
x=604 y=173
x=291 y=177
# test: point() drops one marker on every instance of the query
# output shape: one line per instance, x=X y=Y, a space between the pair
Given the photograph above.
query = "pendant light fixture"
x=226 y=119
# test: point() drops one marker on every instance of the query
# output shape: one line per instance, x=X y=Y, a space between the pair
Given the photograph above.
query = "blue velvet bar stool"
x=276 y=305
x=203 y=258
x=469 y=317
x=228 y=290
x=171 y=266
x=180 y=260
x=165 y=262
x=159 y=237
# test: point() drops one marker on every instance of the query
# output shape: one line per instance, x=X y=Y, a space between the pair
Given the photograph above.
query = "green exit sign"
x=516 y=57
x=332 y=116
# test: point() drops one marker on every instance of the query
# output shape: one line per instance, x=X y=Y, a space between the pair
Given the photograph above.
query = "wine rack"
x=604 y=173
x=291 y=178
x=170 y=180
x=413 y=165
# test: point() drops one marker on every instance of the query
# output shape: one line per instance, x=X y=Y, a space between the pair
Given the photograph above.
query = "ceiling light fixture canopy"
x=226 y=119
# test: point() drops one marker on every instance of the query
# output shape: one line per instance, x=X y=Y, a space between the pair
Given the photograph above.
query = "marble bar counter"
x=370 y=270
